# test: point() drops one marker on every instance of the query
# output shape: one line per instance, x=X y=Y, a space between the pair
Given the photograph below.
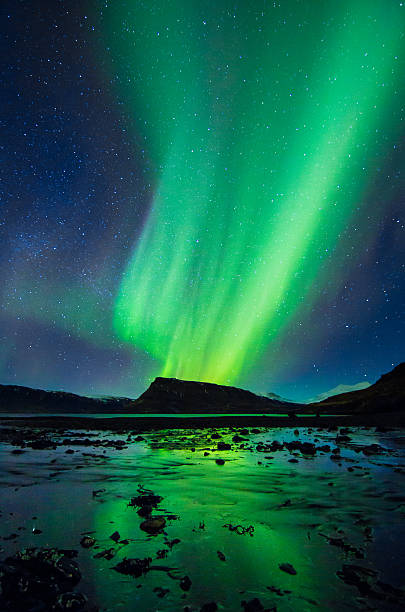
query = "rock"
x=237 y=438
x=340 y=543
x=276 y=446
x=288 y=568
x=133 y=567
x=185 y=583
x=372 y=449
x=209 y=607
x=145 y=510
x=145 y=500
x=221 y=555
x=42 y=444
x=70 y=601
x=115 y=536
x=223 y=446
x=255 y=605
x=153 y=525
x=240 y=529
x=306 y=448
x=108 y=553
x=277 y=591
x=160 y=591
x=367 y=582
x=40 y=579
x=357 y=575
x=162 y=553
x=87 y=542
x=97 y=492
x=219 y=461
x=342 y=439
x=363 y=578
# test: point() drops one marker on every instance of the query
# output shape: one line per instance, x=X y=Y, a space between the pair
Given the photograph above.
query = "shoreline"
x=150 y=423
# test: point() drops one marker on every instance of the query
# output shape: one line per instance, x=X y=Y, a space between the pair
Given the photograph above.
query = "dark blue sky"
x=77 y=182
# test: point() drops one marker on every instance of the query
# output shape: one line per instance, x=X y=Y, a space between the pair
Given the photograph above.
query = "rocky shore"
x=394 y=419
x=243 y=517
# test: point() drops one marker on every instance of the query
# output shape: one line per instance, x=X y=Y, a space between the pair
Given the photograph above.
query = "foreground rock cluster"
x=41 y=579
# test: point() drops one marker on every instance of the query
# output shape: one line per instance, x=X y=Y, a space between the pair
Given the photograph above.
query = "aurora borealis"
x=211 y=192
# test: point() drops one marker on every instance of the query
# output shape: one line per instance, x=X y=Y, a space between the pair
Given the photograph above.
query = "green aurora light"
x=262 y=135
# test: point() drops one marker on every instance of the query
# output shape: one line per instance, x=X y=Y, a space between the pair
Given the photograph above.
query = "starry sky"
x=211 y=191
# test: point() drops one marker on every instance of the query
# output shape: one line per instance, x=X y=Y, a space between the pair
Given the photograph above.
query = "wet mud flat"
x=210 y=518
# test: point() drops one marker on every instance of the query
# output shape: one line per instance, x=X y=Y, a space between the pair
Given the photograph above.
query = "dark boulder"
x=133 y=567
x=153 y=525
x=40 y=579
x=223 y=446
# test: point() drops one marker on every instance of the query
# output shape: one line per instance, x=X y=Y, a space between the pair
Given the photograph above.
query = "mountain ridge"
x=172 y=395
x=202 y=397
x=338 y=390
x=387 y=394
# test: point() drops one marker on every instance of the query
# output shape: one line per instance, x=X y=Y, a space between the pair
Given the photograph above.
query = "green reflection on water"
x=198 y=491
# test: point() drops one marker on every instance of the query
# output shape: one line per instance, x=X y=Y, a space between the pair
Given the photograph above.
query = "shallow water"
x=293 y=507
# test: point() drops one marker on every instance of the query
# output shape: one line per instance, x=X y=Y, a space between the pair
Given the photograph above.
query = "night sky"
x=207 y=190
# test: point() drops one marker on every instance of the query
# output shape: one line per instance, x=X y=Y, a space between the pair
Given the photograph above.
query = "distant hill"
x=174 y=395
x=278 y=398
x=14 y=398
x=338 y=391
x=384 y=396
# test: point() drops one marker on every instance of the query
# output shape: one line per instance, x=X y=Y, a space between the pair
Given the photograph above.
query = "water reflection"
x=315 y=514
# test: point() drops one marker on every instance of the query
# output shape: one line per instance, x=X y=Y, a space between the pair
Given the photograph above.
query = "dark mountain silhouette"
x=14 y=398
x=387 y=395
x=174 y=395
x=170 y=395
